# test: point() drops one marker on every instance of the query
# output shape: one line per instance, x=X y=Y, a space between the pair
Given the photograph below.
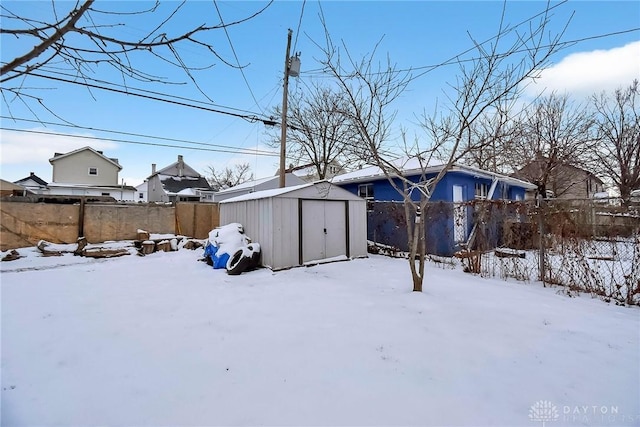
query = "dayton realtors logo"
x=543 y=411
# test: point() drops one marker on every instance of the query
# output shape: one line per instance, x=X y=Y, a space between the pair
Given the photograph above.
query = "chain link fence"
x=579 y=245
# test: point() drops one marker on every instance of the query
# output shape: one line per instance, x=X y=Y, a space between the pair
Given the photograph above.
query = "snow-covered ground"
x=167 y=340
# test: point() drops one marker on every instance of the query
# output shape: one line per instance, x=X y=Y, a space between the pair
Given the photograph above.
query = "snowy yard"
x=166 y=340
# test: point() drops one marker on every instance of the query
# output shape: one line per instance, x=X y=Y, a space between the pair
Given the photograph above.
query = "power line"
x=127 y=87
x=235 y=55
x=238 y=149
x=295 y=43
x=456 y=59
x=249 y=118
x=126 y=141
x=321 y=72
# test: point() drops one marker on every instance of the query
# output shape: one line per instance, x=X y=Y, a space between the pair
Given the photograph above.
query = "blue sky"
x=414 y=34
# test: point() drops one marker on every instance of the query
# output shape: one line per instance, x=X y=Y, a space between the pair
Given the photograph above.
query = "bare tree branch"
x=229 y=176
x=78 y=44
x=484 y=86
x=617 y=154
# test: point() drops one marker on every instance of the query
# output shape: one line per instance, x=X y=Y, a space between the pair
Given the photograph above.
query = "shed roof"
x=250 y=185
x=315 y=190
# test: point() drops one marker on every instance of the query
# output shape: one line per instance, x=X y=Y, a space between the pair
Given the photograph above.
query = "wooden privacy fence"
x=23 y=224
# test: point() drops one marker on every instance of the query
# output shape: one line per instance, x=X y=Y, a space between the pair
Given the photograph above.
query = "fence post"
x=81 y=217
x=541 y=232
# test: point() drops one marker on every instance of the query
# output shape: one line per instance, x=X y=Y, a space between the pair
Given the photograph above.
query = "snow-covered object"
x=224 y=241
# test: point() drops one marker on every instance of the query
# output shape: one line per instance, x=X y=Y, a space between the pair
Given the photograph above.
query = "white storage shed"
x=302 y=224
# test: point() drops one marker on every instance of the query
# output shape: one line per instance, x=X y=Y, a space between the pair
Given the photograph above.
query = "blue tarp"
x=218 y=261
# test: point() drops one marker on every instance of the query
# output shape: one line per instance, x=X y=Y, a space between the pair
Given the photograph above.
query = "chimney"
x=180 y=165
x=31 y=174
x=153 y=168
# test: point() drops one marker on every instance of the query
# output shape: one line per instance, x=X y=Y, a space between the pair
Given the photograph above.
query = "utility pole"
x=283 y=130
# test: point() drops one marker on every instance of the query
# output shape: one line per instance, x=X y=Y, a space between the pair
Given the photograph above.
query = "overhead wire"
x=95 y=129
x=295 y=42
x=235 y=55
x=126 y=141
x=456 y=59
x=250 y=118
x=128 y=87
x=321 y=72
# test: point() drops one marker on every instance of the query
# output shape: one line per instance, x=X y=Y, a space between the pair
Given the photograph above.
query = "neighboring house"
x=141 y=192
x=460 y=184
x=309 y=172
x=177 y=182
x=33 y=183
x=11 y=189
x=87 y=172
x=248 y=187
x=563 y=181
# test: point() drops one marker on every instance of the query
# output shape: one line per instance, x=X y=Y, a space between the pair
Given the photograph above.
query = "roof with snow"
x=187 y=192
x=262 y=183
x=324 y=189
x=91 y=186
x=176 y=184
x=414 y=166
x=249 y=184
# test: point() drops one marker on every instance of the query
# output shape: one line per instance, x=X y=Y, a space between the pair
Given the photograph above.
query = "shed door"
x=324 y=229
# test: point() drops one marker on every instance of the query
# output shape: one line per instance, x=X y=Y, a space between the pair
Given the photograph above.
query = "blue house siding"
x=386 y=223
x=383 y=191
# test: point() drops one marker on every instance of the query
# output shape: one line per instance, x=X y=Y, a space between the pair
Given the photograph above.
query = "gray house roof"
x=32 y=177
x=175 y=184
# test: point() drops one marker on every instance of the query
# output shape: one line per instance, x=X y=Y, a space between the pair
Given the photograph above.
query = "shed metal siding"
x=357 y=228
x=274 y=222
x=285 y=233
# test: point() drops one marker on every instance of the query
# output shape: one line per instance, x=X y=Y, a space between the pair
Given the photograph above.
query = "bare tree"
x=229 y=176
x=486 y=82
x=489 y=140
x=80 y=37
x=617 y=154
x=554 y=137
x=317 y=135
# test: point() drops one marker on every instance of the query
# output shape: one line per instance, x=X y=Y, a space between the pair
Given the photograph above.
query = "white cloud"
x=586 y=73
x=29 y=147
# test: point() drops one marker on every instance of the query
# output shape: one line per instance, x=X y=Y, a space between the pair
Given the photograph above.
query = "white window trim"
x=92 y=174
x=367 y=196
x=484 y=190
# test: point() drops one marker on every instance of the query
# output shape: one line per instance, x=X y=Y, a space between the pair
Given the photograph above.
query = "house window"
x=365 y=191
x=481 y=190
x=141 y=195
x=106 y=194
x=93 y=171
